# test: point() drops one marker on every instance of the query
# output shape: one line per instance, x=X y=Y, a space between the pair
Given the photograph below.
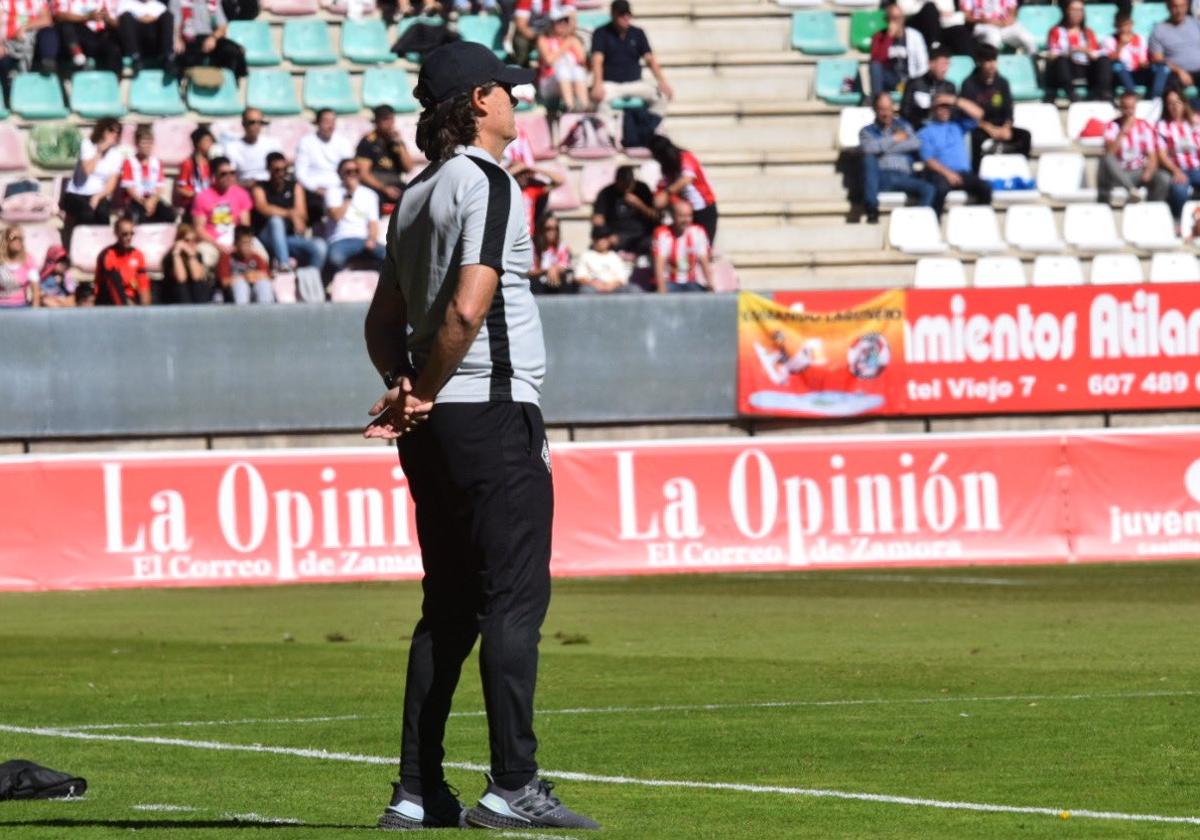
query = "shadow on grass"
x=150 y=824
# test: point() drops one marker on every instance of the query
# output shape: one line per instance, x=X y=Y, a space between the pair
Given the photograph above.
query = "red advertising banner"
x=229 y=519
x=972 y=351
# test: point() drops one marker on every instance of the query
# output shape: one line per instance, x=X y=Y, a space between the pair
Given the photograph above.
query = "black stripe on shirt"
x=491 y=254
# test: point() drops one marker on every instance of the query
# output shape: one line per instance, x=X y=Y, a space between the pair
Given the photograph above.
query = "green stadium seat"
x=815 y=33
x=3 y=110
x=388 y=86
x=96 y=94
x=329 y=88
x=366 y=42
x=1039 y=20
x=37 y=97
x=225 y=101
x=155 y=94
x=308 y=42
x=627 y=103
x=961 y=66
x=831 y=75
x=863 y=24
x=272 y=92
x=1099 y=18
x=254 y=36
x=591 y=21
x=54 y=145
x=1022 y=77
x=482 y=29
x=1146 y=16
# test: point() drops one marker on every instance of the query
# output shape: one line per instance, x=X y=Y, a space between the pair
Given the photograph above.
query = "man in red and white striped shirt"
x=88 y=29
x=681 y=253
x=25 y=30
x=1131 y=157
x=142 y=181
x=996 y=23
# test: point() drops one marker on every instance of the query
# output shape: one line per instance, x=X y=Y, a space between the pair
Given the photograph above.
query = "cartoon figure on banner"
x=780 y=364
x=868 y=356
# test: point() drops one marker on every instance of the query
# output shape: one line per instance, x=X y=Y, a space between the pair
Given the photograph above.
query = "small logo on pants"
x=546 y=455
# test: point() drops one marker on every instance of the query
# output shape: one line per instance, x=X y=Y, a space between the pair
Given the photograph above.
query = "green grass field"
x=1058 y=688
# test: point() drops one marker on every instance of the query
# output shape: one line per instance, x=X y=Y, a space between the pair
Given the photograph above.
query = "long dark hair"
x=443 y=126
x=103 y=126
x=1062 y=21
x=668 y=156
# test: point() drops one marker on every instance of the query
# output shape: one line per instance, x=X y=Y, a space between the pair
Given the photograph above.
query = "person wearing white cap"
x=561 y=63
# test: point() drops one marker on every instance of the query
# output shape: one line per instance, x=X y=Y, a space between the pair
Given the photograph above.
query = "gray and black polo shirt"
x=469 y=211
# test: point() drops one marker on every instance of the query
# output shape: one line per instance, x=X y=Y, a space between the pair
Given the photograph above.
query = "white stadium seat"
x=853 y=120
x=1091 y=227
x=1081 y=113
x=1041 y=120
x=974 y=229
x=1007 y=167
x=1057 y=271
x=1108 y=269
x=1032 y=228
x=940 y=273
x=999 y=272
x=1149 y=226
x=1179 y=267
x=1188 y=220
x=1149 y=110
x=915 y=230
x=1063 y=176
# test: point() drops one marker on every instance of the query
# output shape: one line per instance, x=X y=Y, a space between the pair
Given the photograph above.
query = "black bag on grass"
x=26 y=780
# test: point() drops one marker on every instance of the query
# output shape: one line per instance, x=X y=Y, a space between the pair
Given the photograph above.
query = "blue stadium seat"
x=156 y=95
x=330 y=88
x=308 y=42
x=482 y=29
x=272 y=92
x=366 y=42
x=1099 y=18
x=1022 y=77
x=37 y=97
x=961 y=66
x=1039 y=20
x=815 y=33
x=591 y=21
x=626 y=103
x=1146 y=16
x=96 y=94
x=225 y=101
x=3 y=110
x=388 y=86
x=832 y=74
x=254 y=36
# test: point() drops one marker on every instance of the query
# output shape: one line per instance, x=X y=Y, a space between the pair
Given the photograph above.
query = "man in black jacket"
x=995 y=132
x=920 y=93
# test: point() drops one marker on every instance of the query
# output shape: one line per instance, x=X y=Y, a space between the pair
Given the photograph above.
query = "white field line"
x=617 y=780
x=532 y=836
x=700 y=707
x=965 y=581
x=227 y=815
x=170 y=809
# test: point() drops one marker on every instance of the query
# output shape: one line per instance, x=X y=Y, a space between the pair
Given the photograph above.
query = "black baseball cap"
x=461 y=67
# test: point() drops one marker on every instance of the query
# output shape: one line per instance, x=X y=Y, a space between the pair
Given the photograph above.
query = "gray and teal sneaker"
x=408 y=812
x=533 y=806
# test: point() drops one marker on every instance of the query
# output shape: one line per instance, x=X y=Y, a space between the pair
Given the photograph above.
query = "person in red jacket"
x=121 y=278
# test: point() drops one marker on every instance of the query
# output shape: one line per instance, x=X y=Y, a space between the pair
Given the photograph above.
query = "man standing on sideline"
x=463 y=389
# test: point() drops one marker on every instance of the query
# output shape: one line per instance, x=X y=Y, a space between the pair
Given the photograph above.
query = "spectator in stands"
x=143 y=183
x=989 y=91
x=27 y=39
x=618 y=50
x=147 y=30
x=88 y=29
x=318 y=156
x=601 y=270
x=683 y=177
x=626 y=208
x=681 y=253
x=1131 y=157
x=1175 y=48
x=919 y=93
x=57 y=279
x=185 y=277
x=562 y=64
x=1178 y=149
x=995 y=24
x=218 y=211
x=121 y=278
x=943 y=148
x=244 y=272
x=889 y=146
x=898 y=53
x=85 y=294
x=88 y=195
x=536 y=185
x=941 y=25
x=19 y=285
x=530 y=19
x=1073 y=52
x=551 y=272
x=195 y=173
x=383 y=159
x=200 y=28
x=354 y=209
x=249 y=154
x=281 y=217
x=1130 y=57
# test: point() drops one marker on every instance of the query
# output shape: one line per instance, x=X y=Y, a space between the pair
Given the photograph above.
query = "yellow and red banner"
x=969 y=351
